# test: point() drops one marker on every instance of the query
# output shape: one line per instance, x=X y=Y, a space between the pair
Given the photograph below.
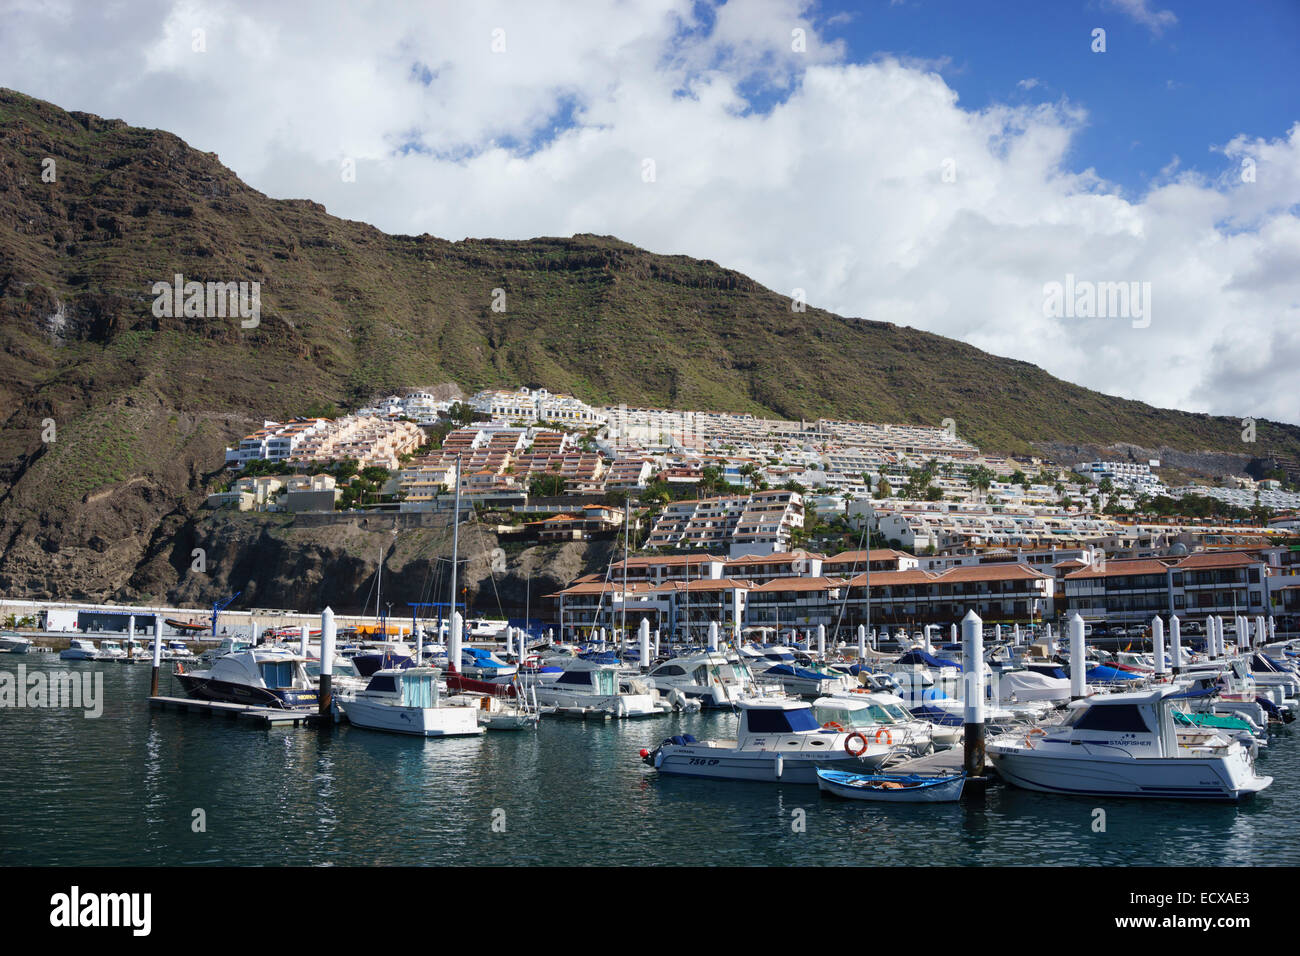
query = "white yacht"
x=261 y=677
x=81 y=649
x=777 y=741
x=14 y=643
x=408 y=701
x=1126 y=745
x=110 y=651
x=591 y=687
x=706 y=676
x=883 y=719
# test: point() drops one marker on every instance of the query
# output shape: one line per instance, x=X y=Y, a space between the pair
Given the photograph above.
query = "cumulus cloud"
x=1140 y=12
x=868 y=185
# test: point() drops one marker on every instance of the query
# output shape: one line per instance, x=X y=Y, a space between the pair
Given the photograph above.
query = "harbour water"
x=124 y=789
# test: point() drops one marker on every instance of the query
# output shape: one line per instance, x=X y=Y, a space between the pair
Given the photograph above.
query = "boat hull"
x=1226 y=778
x=756 y=766
x=415 y=721
x=203 y=688
x=856 y=787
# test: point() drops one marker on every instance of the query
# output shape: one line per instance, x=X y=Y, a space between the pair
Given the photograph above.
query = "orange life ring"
x=889 y=738
x=1029 y=737
x=833 y=725
x=848 y=742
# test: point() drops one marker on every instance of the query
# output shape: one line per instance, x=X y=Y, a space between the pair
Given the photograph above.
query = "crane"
x=219 y=606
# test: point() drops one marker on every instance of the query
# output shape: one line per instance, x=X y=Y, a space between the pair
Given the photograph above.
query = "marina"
x=844 y=778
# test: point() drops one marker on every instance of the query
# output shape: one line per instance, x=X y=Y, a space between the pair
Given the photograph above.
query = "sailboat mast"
x=455 y=551
x=627 y=510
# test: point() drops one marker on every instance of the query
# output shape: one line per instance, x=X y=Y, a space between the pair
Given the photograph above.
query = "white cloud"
x=1140 y=12
x=835 y=184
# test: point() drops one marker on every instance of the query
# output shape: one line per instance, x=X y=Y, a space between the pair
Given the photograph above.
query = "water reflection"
x=123 y=788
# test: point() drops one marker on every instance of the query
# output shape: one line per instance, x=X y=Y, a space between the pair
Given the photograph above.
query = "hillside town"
x=752 y=520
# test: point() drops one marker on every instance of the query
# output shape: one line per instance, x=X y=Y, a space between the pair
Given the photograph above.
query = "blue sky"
x=1221 y=69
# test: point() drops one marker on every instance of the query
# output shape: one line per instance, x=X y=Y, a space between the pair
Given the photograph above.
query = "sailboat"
x=408 y=700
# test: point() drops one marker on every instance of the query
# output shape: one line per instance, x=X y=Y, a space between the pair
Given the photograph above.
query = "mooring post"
x=972 y=665
x=326 y=695
x=643 y=638
x=157 y=654
x=1176 y=644
x=862 y=644
x=713 y=636
x=454 y=642
x=1158 y=645
x=821 y=642
x=1078 y=667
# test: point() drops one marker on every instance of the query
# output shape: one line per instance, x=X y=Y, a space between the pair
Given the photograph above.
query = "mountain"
x=115 y=418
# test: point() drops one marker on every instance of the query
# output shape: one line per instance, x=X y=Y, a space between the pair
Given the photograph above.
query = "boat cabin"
x=406 y=687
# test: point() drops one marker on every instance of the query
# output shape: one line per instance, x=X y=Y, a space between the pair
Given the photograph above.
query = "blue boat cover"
x=918 y=656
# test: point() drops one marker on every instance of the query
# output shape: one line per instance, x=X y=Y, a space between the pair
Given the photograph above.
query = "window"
x=1121 y=718
x=764 y=721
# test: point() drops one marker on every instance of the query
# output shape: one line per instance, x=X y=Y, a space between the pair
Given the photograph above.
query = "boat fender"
x=848 y=744
x=779 y=766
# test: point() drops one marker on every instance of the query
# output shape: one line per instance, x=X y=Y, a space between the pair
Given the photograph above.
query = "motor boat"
x=706 y=676
x=81 y=649
x=925 y=701
x=479 y=663
x=259 y=676
x=228 y=645
x=1126 y=745
x=408 y=700
x=1027 y=686
x=178 y=651
x=893 y=788
x=372 y=657
x=777 y=741
x=590 y=686
x=110 y=651
x=497 y=713
x=14 y=643
x=881 y=718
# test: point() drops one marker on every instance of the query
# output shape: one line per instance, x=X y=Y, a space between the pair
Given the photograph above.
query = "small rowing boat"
x=892 y=788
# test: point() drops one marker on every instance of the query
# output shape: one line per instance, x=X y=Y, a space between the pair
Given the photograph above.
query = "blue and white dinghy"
x=892 y=788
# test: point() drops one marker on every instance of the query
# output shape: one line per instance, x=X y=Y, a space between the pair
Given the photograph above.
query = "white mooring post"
x=713 y=636
x=157 y=654
x=326 y=697
x=1158 y=645
x=1078 y=667
x=1260 y=631
x=1051 y=643
x=643 y=635
x=972 y=658
x=303 y=634
x=454 y=642
x=821 y=642
x=862 y=642
x=656 y=642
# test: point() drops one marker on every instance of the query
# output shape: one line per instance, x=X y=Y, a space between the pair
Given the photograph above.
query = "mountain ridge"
x=142 y=405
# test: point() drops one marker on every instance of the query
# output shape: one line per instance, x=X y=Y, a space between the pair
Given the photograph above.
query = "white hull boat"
x=408 y=701
x=1126 y=745
x=81 y=649
x=778 y=741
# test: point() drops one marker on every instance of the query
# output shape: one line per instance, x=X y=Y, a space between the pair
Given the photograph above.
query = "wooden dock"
x=266 y=716
x=941 y=761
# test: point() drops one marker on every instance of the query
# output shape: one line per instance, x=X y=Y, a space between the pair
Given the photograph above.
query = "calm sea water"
x=122 y=790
